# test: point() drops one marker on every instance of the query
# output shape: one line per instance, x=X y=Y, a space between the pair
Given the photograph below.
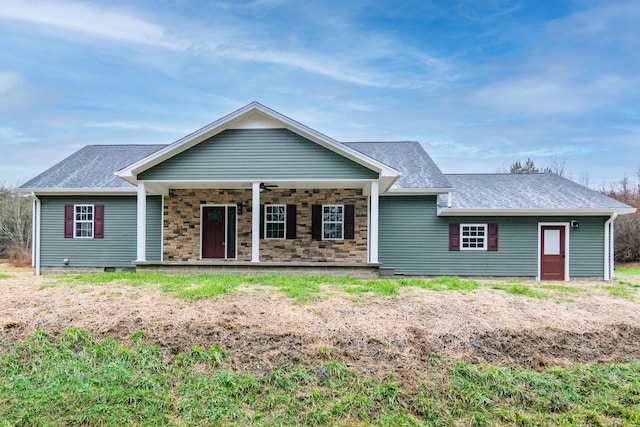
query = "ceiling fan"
x=267 y=187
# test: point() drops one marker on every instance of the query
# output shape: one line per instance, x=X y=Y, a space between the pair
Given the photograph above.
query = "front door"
x=552 y=253
x=213 y=232
x=219 y=232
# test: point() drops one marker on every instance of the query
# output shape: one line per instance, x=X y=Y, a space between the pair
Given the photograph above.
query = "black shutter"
x=454 y=237
x=291 y=222
x=493 y=237
x=68 y=221
x=98 y=221
x=262 y=221
x=349 y=221
x=316 y=222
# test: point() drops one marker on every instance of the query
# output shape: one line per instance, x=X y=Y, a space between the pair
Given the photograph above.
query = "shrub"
x=19 y=256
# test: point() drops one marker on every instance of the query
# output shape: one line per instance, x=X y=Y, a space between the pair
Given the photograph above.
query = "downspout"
x=609 y=248
x=35 y=238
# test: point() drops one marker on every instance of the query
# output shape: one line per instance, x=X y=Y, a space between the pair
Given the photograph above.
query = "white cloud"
x=10 y=135
x=88 y=19
x=348 y=64
x=486 y=10
x=8 y=81
x=147 y=126
x=548 y=94
x=601 y=24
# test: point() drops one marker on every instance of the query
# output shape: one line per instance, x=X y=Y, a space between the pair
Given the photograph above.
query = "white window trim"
x=76 y=221
x=333 y=222
x=284 y=235
x=485 y=238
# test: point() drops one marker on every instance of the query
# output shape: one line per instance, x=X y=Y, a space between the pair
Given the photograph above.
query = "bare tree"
x=557 y=165
x=15 y=220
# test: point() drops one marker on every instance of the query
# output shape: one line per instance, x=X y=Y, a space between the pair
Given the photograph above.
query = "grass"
x=628 y=271
x=303 y=289
x=565 y=290
x=617 y=290
x=300 y=288
x=515 y=287
x=4 y=276
x=74 y=379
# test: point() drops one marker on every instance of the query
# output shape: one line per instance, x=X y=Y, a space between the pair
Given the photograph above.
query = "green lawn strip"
x=565 y=290
x=74 y=379
x=628 y=271
x=300 y=288
x=619 y=290
x=4 y=276
x=515 y=287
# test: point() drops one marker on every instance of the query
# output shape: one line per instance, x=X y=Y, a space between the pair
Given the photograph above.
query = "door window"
x=552 y=242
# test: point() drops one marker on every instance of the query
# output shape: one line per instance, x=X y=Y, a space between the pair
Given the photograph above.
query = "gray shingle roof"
x=418 y=170
x=524 y=191
x=91 y=167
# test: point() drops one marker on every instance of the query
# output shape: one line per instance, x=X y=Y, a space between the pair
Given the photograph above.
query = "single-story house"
x=258 y=192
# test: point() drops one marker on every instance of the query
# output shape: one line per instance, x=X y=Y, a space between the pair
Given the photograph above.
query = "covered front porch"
x=264 y=227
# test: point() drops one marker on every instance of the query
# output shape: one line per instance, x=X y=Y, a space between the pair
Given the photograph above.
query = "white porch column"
x=255 y=222
x=141 y=254
x=373 y=223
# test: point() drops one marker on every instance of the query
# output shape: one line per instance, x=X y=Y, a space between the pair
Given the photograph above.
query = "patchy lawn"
x=281 y=350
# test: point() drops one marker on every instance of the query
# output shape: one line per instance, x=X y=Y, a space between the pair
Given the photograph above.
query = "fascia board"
x=77 y=191
x=418 y=191
x=130 y=172
x=532 y=212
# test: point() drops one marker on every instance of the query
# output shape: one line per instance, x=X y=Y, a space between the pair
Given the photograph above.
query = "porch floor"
x=246 y=268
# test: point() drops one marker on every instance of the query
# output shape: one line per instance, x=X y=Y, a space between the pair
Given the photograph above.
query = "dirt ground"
x=261 y=328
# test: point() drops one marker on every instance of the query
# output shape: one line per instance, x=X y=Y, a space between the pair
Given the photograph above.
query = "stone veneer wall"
x=182 y=225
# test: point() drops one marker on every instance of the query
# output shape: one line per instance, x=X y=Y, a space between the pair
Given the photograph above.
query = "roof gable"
x=250 y=154
x=253 y=116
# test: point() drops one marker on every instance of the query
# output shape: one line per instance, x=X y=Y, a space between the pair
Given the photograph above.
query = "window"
x=275 y=221
x=473 y=237
x=332 y=222
x=83 y=221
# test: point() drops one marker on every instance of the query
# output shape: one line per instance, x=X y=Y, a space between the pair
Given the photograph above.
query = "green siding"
x=416 y=241
x=154 y=228
x=116 y=249
x=260 y=154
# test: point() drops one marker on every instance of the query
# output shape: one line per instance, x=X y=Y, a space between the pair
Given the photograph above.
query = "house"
x=256 y=192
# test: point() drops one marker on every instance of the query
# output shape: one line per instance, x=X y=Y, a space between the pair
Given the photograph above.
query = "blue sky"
x=479 y=83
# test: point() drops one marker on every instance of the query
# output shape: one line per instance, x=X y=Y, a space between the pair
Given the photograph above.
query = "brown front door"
x=552 y=253
x=213 y=232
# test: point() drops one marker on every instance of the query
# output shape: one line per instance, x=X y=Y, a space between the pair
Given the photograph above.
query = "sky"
x=480 y=84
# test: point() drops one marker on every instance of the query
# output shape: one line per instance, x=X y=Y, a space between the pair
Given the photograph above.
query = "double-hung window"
x=275 y=221
x=473 y=237
x=333 y=222
x=83 y=221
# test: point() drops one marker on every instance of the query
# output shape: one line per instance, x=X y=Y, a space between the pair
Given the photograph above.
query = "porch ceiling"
x=162 y=187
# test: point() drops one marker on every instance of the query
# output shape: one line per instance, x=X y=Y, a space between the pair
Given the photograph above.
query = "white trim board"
x=567 y=239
